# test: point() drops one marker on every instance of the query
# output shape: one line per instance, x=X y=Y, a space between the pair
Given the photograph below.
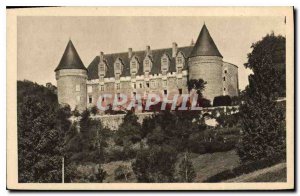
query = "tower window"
x=224 y=89
x=225 y=71
x=78 y=98
x=224 y=79
x=90 y=99
x=90 y=89
x=78 y=88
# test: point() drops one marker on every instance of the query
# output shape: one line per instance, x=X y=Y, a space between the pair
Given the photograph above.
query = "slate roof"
x=155 y=57
x=70 y=59
x=205 y=45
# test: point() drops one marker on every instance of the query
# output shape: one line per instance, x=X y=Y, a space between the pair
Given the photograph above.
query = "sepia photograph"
x=195 y=98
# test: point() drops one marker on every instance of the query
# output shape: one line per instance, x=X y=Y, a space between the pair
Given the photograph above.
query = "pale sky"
x=42 y=40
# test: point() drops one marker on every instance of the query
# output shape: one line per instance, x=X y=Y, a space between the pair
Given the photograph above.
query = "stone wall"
x=113 y=121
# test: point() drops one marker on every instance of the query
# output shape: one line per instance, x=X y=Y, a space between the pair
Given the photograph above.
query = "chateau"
x=161 y=71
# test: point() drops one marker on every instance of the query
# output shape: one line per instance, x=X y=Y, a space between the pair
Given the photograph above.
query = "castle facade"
x=160 y=71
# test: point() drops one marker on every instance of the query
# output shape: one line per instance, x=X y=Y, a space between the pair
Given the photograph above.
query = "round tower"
x=205 y=62
x=71 y=77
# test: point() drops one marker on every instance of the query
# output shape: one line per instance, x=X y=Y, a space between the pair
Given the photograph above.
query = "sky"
x=42 y=40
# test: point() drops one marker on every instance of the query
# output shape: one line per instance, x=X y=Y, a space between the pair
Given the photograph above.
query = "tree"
x=186 y=170
x=155 y=164
x=129 y=130
x=197 y=85
x=100 y=175
x=42 y=126
x=262 y=120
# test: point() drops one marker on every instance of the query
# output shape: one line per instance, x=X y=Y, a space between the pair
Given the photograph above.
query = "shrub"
x=122 y=173
x=243 y=169
x=222 y=101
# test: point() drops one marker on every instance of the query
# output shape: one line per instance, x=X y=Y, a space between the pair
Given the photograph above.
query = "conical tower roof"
x=70 y=59
x=205 y=45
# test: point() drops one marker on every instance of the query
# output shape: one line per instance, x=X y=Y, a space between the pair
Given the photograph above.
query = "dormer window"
x=180 y=61
x=118 y=67
x=165 y=61
x=134 y=65
x=102 y=68
x=147 y=64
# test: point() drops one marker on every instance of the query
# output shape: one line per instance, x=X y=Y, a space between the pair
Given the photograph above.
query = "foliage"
x=222 y=101
x=42 y=128
x=122 y=172
x=197 y=85
x=129 y=130
x=100 y=175
x=186 y=170
x=94 y=110
x=155 y=164
x=262 y=119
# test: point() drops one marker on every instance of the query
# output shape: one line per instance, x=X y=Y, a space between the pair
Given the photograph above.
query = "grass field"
x=207 y=165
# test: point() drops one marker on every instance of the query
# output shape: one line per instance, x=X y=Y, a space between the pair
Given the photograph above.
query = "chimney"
x=101 y=56
x=129 y=53
x=174 y=49
x=148 y=51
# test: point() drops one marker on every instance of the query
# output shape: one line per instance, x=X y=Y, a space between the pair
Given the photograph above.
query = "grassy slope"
x=207 y=165
x=276 y=173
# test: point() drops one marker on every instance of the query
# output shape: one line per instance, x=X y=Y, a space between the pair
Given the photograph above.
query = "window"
x=224 y=89
x=225 y=71
x=179 y=70
x=141 y=85
x=164 y=83
x=78 y=98
x=147 y=84
x=78 y=88
x=179 y=60
x=180 y=91
x=134 y=85
x=134 y=94
x=101 y=78
x=165 y=92
x=164 y=63
x=117 y=86
x=102 y=88
x=102 y=68
x=147 y=64
x=90 y=89
x=118 y=66
x=224 y=79
x=90 y=99
x=153 y=83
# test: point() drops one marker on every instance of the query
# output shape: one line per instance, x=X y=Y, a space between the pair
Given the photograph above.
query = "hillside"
x=276 y=173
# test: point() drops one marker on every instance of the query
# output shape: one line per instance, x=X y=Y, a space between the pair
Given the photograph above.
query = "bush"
x=222 y=101
x=243 y=169
x=122 y=173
